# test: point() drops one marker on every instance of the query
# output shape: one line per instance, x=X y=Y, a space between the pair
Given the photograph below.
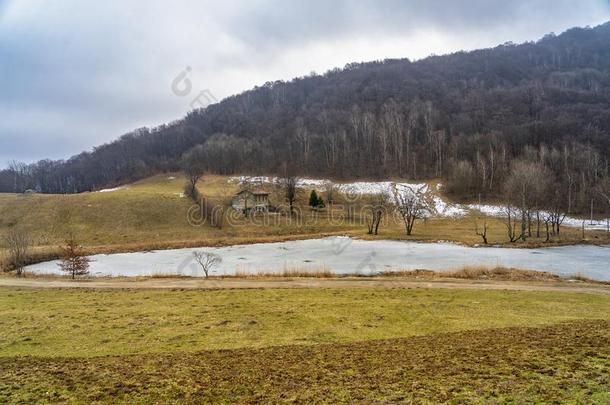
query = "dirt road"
x=373 y=282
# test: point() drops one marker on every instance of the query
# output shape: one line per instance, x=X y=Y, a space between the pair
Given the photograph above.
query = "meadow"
x=303 y=345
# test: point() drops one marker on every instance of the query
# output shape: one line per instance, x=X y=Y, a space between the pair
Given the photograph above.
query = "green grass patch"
x=86 y=323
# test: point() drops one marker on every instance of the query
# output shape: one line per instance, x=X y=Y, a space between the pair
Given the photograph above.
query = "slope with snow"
x=431 y=197
x=435 y=205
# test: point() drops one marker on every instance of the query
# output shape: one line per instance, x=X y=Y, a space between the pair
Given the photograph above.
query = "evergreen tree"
x=313 y=199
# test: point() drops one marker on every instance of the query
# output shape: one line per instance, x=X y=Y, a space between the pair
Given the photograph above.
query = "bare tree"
x=393 y=123
x=547 y=219
x=18 y=242
x=512 y=215
x=193 y=165
x=557 y=210
x=541 y=184
x=375 y=212
x=73 y=261
x=329 y=188
x=438 y=140
x=603 y=189
x=289 y=185
x=302 y=142
x=521 y=189
x=207 y=261
x=20 y=174
x=410 y=207
x=481 y=232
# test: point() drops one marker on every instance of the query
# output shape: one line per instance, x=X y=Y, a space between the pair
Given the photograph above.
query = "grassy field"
x=567 y=363
x=96 y=322
x=338 y=345
x=152 y=214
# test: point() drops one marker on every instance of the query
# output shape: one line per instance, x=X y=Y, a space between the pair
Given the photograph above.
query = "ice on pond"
x=342 y=255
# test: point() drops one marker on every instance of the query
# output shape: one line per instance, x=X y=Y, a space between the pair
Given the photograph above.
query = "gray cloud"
x=74 y=74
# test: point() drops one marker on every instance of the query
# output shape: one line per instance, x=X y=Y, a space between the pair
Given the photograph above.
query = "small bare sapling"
x=207 y=261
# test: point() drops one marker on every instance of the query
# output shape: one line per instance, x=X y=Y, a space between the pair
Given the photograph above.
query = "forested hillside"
x=468 y=117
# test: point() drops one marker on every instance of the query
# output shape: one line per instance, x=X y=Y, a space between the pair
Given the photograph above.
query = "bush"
x=315 y=200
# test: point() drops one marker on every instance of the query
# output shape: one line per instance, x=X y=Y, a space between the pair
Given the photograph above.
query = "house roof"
x=254 y=191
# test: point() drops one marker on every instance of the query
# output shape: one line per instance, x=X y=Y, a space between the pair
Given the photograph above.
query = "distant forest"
x=468 y=118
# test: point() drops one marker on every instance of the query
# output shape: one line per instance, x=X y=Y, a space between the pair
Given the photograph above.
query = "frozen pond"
x=343 y=255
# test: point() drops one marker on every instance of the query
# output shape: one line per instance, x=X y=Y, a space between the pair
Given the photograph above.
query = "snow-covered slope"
x=431 y=197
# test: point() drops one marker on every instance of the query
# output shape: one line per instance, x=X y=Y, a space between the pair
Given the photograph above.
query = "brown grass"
x=287 y=272
x=479 y=273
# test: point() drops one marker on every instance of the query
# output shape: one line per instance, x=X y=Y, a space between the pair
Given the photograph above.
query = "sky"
x=78 y=73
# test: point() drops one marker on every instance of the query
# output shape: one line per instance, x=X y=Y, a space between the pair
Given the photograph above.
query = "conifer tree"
x=313 y=199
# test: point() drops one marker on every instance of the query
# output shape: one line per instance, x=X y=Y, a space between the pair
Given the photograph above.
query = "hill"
x=464 y=115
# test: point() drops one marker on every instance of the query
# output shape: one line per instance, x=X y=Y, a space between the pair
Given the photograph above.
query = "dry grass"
x=479 y=273
x=495 y=273
x=287 y=272
x=465 y=273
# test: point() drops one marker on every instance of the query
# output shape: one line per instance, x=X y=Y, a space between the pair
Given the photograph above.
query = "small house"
x=251 y=200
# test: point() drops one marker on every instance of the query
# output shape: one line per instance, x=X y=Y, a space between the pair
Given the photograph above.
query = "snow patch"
x=110 y=190
x=595 y=225
x=252 y=179
x=303 y=183
x=500 y=212
x=489 y=210
x=444 y=209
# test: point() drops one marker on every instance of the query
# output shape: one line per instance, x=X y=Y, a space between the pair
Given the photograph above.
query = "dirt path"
x=177 y=283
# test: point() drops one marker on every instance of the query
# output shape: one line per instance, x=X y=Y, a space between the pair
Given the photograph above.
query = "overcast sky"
x=78 y=73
